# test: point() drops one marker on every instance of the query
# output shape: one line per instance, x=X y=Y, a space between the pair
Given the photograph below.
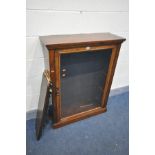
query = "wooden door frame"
x=58 y=121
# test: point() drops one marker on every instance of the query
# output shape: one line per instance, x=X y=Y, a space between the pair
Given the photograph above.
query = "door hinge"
x=53 y=89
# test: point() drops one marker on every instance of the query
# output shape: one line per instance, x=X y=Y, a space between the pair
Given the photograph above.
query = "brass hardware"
x=88 y=48
x=47 y=75
x=52 y=71
x=54 y=89
x=51 y=87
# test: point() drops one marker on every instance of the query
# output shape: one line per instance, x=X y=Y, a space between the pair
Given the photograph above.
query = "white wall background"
x=45 y=17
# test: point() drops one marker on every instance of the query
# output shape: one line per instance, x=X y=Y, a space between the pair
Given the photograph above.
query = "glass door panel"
x=82 y=77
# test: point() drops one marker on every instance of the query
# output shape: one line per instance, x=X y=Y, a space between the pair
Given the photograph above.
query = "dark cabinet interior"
x=82 y=79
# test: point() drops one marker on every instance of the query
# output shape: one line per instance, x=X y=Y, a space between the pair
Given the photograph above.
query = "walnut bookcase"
x=81 y=69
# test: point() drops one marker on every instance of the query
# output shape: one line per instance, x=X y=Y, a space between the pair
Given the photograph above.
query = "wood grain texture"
x=79 y=43
x=57 y=87
x=110 y=75
x=79 y=116
x=67 y=41
x=53 y=81
x=84 y=49
x=42 y=106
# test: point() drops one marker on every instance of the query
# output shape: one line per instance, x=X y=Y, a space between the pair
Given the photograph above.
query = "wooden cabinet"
x=81 y=72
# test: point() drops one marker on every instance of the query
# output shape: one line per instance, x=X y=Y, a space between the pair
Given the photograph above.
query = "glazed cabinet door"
x=82 y=77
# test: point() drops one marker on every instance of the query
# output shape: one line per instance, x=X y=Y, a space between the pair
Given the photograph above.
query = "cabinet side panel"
x=53 y=80
x=111 y=71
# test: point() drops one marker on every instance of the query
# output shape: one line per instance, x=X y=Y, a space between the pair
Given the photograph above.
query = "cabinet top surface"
x=58 y=41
